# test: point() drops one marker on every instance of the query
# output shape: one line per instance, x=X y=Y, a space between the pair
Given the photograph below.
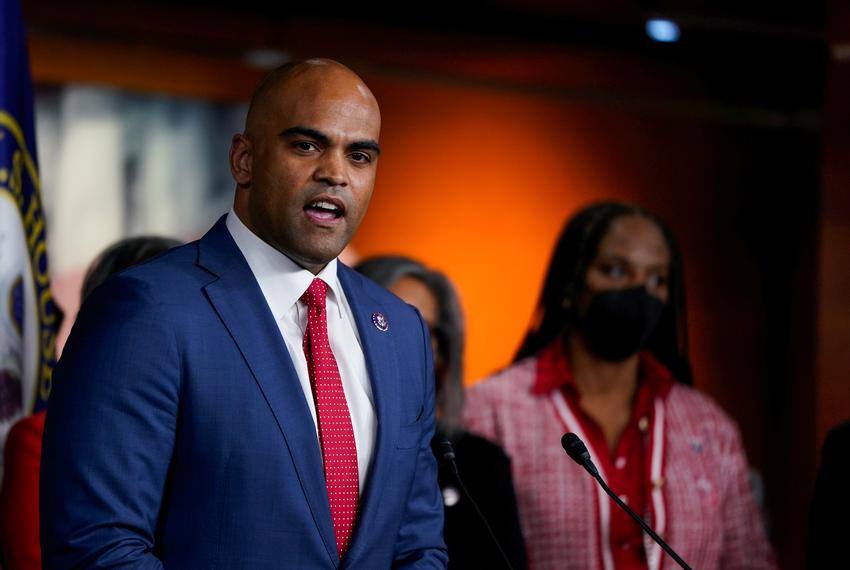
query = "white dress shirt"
x=282 y=282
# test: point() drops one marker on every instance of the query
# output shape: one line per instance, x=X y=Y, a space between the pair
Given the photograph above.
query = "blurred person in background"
x=828 y=526
x=482 y=465
x=19 y=542
x=606 y=358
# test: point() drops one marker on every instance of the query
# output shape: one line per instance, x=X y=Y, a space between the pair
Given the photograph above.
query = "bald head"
x=305 y=165
x=304 y=79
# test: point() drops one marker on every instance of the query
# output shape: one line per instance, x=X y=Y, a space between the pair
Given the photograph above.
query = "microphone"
x=447 y=452
x=577 y=451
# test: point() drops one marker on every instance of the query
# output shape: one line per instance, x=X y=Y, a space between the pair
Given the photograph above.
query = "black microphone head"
x=575 y=448
x=447 y=450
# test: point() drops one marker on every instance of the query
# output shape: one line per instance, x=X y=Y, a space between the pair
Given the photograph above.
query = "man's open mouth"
x=324 y=210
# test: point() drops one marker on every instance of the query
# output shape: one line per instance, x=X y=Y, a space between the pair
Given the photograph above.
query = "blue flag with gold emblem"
x=29 y=318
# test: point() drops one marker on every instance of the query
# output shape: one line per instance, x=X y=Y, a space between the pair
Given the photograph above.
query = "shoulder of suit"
x=160 y=280
x=372 y=289
x=168 y=267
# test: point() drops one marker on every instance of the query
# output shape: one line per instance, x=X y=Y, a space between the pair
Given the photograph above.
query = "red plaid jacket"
x=710 y=516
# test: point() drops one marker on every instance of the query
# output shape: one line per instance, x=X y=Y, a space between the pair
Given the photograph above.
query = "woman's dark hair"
x=565 y=280
x=448 y=331
x=121 y=255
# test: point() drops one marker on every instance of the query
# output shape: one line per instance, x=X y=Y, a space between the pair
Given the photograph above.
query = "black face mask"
x=619 y=322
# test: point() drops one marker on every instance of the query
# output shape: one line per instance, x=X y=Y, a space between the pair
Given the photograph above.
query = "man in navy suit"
x=188 y=427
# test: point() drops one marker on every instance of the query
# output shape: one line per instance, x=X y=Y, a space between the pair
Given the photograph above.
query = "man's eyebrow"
x=325 y=140
x=306 y=132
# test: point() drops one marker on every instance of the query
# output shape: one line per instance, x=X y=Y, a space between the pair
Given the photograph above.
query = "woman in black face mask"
x=607 y=359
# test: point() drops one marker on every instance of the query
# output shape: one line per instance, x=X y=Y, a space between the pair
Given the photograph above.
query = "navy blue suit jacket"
x=178 y=434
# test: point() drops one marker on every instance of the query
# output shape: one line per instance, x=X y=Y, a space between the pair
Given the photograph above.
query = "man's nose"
x=331 y=169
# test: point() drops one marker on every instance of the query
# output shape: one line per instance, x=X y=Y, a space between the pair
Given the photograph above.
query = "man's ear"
x=240 y=159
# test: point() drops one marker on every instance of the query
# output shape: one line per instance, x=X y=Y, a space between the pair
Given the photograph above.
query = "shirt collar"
x=282 y=280
x=554 y=372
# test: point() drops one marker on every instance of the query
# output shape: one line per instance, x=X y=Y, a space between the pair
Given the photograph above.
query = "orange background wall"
x=478 y=184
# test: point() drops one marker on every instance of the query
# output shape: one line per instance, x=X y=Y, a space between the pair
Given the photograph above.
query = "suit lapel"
x=380 y=353
x=240 y=304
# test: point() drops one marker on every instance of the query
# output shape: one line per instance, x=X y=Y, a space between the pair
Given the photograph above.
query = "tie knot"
x=314 y=296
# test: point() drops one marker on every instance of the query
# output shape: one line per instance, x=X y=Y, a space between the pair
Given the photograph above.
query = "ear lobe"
x=240 y=159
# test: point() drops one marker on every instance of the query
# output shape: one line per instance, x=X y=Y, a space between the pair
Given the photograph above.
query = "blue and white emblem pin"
x=380 y=322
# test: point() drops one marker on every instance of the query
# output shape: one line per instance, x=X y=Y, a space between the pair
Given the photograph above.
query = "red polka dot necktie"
x=336 y=435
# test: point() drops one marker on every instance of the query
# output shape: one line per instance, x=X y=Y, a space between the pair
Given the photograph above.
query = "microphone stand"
x=448 y=453
x=577 y=451
x=646 y=528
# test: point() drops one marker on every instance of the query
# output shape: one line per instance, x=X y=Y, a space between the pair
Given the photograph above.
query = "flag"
x=29 y=318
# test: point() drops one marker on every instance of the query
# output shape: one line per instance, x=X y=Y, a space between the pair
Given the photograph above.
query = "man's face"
x=306 y=168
